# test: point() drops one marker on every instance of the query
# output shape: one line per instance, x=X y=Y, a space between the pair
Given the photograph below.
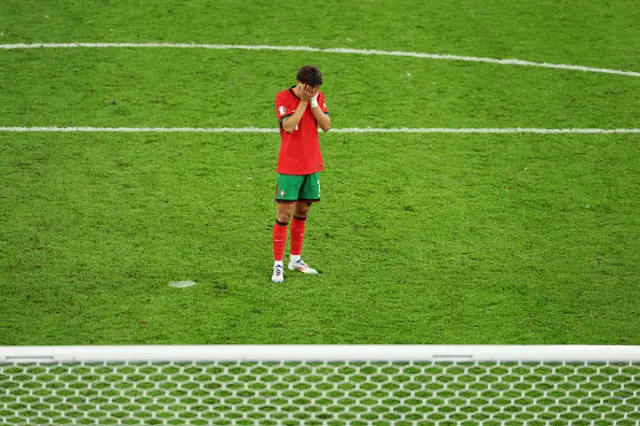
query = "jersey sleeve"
x=284 y=107
x=322 y=104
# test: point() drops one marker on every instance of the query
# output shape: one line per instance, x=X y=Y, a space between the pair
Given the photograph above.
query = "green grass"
x=421 y=238
x=196 y=88
x=488 y=240
x=595 y=33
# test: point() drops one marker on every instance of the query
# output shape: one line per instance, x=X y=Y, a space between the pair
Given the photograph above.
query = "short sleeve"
x=284 y=107
x=322 y=103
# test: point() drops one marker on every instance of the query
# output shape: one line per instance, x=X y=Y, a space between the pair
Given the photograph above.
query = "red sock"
x=279 y=240
x=297 y=235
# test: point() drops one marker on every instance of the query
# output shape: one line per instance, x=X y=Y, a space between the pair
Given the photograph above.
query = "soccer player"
x=300 y=110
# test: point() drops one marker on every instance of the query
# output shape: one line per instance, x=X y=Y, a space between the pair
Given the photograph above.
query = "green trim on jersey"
x=283 y=118
x=292 y=188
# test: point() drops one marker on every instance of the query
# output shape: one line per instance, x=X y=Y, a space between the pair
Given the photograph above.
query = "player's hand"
x=314 y=99
x=308 y=92
x=313 y=91
x=304 y=93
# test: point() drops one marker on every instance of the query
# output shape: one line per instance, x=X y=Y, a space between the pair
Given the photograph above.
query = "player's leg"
x=287 y=188
x=283 y=214
x=309 y=193
x=298 y=222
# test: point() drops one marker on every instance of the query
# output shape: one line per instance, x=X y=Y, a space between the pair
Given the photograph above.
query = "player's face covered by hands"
x=307 y=91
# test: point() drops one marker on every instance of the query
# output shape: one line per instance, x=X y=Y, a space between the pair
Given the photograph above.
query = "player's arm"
x=324 y=121
x=289 y=123
x=322 y=117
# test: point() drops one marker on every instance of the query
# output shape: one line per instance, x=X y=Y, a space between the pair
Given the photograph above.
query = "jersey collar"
x=293 y=93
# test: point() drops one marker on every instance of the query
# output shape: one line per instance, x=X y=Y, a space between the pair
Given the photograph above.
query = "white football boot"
x=299 y=265
x=278 y=273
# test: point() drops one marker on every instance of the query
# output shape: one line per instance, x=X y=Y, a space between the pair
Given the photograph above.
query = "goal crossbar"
x=319 y=353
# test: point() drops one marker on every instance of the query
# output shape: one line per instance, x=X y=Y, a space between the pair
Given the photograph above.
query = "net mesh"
x=306 y=393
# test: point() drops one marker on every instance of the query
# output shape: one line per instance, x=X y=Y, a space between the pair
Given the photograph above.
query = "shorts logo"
x=282 y=110
x=281 y=193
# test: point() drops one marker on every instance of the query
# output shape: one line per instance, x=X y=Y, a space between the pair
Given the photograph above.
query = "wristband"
x=314 y=101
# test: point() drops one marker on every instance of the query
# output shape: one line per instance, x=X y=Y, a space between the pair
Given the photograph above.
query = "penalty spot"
x=182 y=284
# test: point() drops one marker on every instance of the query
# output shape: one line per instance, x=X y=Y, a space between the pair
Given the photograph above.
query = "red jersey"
x=299 y=151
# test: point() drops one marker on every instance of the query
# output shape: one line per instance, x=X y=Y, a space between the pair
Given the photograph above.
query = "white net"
x=321 y=393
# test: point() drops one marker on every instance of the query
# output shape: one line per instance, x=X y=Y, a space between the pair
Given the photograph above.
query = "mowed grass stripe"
x=185 y=88
x=366 y=52
x=542 y=32
x=421 y=239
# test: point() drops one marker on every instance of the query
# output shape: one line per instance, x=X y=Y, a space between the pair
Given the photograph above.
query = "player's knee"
x=283 y=219
x=283 y=214
x=302 y=212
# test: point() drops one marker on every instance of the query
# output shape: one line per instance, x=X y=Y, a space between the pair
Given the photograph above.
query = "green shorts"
x=292 y=188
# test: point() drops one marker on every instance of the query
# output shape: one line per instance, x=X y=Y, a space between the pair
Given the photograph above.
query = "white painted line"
x=331 y=50
x=141 y=129
x=274 y=130
x=482 y=130
x=182 y=284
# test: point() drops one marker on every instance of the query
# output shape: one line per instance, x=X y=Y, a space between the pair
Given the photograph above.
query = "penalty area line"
x=274 y=130
x=367 y=52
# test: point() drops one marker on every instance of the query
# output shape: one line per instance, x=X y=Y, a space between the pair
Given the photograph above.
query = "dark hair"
x=310 y=75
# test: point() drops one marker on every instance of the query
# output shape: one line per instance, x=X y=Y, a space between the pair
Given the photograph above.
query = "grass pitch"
x=421 y=238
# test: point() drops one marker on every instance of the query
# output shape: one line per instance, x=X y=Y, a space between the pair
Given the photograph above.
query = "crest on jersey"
x=282 y=110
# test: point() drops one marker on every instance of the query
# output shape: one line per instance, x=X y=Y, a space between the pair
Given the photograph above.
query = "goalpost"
x=321 y=385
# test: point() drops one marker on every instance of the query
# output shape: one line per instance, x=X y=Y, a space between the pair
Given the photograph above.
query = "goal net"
x=320 y=385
